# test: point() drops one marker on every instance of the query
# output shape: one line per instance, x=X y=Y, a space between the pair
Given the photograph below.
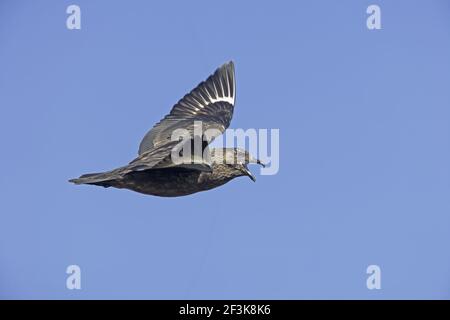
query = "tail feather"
x=103 y=179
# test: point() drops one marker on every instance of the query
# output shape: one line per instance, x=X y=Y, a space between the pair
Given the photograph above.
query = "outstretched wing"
x=211 y=102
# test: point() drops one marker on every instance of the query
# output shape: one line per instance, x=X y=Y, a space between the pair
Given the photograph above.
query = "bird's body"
x=155 y=171
x=171 y=182
x=167 y=182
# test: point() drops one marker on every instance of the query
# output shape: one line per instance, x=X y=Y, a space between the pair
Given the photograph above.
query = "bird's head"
x=236 y=160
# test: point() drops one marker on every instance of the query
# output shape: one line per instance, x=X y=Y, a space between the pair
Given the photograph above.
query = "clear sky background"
x=364 y=119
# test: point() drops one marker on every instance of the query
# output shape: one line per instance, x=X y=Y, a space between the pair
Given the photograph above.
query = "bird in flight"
x=155 y=171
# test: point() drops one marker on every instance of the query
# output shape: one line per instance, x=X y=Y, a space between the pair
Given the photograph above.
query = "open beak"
x=249 y=174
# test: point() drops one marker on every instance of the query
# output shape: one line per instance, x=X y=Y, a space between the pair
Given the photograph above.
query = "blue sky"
x=364 y=150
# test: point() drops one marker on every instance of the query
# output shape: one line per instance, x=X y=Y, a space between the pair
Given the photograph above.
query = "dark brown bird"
x=155 y=171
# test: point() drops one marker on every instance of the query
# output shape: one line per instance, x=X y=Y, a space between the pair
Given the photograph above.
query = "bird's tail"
x=104 y=179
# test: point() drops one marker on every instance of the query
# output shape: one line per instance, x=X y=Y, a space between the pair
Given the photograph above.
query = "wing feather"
x=198 y=105
x=211 y=102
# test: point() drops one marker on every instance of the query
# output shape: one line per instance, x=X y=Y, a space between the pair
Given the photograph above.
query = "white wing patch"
x=226 y=98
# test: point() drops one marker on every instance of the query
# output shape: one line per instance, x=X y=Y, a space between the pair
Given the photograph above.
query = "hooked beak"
x=248 y=173
x=257 y=161
x=260 y=163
